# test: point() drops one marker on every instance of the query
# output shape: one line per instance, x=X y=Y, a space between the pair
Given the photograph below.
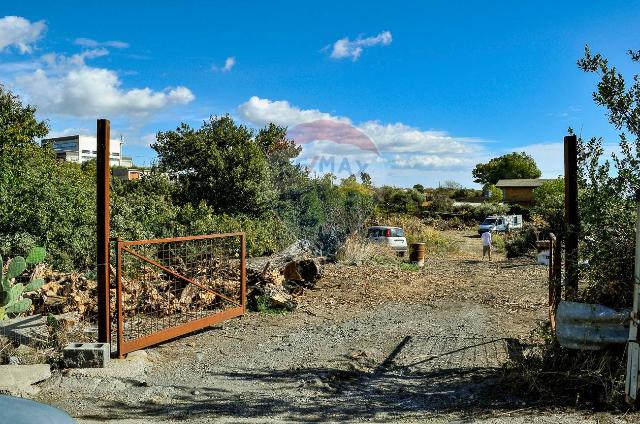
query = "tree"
x=223 y=164
x=495 y=194
x=510 y=166
x=606 y=197
x=18 y=124
x=549 y=205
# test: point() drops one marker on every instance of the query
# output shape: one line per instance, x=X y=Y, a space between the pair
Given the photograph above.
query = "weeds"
x=407 y=266
x=547 y=371
x=264 y=306
x=357 y=250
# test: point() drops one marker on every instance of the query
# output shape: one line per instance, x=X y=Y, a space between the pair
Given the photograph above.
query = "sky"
x=409 y=92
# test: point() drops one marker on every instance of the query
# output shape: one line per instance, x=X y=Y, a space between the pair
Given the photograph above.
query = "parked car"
x=391 y=236
x=500 y=223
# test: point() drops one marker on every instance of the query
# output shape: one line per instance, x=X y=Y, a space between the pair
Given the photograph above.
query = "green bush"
x=520 y=243
x=48 y=203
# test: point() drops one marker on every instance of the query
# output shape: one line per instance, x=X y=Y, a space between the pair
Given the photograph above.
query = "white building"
x=82 y=148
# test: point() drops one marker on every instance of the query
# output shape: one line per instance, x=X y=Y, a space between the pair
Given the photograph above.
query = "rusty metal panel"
x=102 y=228
x=590 y=327
x=173 y=286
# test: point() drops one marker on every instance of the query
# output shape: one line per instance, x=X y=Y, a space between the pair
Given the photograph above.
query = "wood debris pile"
x=152 y=292
x=283 y=286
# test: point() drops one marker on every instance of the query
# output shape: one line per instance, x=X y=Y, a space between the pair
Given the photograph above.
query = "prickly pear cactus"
x=11 y=300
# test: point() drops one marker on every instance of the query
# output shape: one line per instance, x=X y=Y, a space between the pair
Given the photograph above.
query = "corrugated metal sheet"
x=590 y=327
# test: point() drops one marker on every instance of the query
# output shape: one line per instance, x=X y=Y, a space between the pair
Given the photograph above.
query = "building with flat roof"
x=82 y=148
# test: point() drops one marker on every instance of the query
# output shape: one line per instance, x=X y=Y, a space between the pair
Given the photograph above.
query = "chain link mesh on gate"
x=170 y=287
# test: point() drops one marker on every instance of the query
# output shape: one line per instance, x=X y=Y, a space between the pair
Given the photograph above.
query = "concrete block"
x=86 y=355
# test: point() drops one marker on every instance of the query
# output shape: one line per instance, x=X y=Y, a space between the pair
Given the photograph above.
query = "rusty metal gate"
x=169 y=287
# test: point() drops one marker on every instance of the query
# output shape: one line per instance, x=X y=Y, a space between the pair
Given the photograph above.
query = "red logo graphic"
x=338 y=132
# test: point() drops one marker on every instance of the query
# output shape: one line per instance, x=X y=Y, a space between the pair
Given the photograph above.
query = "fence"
x=169 y=287
x=555 y=278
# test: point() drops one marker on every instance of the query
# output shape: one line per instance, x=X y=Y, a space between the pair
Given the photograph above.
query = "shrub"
x=499 y=242
x=520 y=243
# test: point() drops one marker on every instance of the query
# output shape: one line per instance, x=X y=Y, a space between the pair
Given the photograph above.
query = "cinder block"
x=86 y=355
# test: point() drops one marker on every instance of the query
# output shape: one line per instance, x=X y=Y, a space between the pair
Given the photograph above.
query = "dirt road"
x=370 y=343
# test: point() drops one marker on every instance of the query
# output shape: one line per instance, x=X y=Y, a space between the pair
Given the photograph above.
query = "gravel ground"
x=370 y=343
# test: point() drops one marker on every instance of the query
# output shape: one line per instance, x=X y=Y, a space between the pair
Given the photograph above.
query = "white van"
x=500 y=223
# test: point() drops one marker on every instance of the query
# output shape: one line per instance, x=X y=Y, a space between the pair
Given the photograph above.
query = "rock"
x=14 y=360
x=18 y=379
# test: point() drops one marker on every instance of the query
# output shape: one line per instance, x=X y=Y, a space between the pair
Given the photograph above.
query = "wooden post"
x=102 y=228
x=571 y=215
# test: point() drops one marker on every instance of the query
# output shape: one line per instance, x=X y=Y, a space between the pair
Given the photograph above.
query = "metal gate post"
x=119 y=297
x=571 y=215
x=103 y=175
x=243 y=272
x=633 y=349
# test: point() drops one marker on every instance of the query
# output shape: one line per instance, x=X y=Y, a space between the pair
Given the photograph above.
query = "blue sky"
x=437 y=86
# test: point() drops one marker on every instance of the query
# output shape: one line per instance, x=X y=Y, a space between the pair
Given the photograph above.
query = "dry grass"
x=547 y=371
x=357 y=250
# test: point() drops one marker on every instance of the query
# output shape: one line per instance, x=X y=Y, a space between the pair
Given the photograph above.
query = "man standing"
x=486 y=244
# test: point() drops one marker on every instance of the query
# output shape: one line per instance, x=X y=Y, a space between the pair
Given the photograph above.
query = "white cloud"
x=87 y=42
x=402 y=138
x=402 y=147
x=264 y=111
x=431 y=162
x=229 y=63
x=20 y=33
x=345 y=48
x=68 y=86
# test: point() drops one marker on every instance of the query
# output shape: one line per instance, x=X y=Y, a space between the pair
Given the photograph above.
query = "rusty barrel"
x=417 y=254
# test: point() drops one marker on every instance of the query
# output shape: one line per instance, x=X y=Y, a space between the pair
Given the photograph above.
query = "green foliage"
x=264 y=306
x=510 y=166
x=520 y=243
x=440 y=203
x=406 y=266
x=607 y=188
x=391 y=200
x=18 y=124
x=48 y=203
x=221 y=163
x=499 y=242
x=495 y=194
x=549 y=205
x=475 y=214
x=11 y=300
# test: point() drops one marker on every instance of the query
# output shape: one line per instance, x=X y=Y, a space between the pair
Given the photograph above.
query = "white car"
x=391 y=236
